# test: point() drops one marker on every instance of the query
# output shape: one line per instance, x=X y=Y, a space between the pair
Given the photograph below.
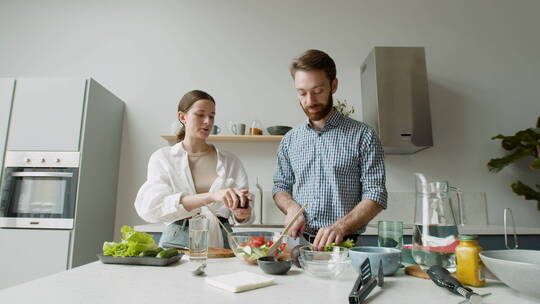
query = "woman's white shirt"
x=169 y=178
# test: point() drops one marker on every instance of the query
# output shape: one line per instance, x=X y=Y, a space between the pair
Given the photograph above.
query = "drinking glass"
x=390 y=234
x=198 y=239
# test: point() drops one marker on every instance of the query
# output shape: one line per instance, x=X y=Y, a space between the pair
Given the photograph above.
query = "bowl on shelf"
x=278 y=130
x=272 y=265
x=324 y=264
x=249 y=246
x=390 y=257
x=517 y=268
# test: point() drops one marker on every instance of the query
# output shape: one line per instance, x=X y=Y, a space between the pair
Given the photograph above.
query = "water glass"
x=390 y=234
x=198 y=239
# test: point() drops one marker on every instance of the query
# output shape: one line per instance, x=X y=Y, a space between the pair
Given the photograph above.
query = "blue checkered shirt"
x=333 y=169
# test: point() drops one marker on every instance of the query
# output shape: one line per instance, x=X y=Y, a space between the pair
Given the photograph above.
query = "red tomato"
x=270 y=243
x=282 y=246
x=257 y=241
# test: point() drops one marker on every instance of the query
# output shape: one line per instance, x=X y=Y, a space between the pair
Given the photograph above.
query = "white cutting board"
x=240 y=281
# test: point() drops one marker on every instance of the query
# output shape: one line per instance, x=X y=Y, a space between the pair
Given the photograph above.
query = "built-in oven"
x=39 y=189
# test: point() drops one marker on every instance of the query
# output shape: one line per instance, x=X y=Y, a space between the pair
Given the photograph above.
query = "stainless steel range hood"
x=395 y=98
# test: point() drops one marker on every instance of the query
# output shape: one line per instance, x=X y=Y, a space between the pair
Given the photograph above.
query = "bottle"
x=469 y=266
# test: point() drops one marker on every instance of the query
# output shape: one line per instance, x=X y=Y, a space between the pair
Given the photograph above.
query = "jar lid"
x=468 y=237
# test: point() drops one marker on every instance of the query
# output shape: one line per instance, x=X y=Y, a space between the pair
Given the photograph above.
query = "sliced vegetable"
x=168 y=253
x=347 y=244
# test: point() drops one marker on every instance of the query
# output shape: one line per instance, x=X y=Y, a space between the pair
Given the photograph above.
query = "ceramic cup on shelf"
x=215 y=130
x=237 y=128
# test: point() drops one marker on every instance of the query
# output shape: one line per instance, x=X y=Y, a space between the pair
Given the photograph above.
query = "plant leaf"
x=527 y=192
x=535 y=164
x=497 y=164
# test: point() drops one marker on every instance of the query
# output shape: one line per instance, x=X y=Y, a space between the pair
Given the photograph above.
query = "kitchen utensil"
x=254 y=244
x=389 y=257
x=273 y=249
x=199 y=270
x=324 y=264
x=214 y=253
x=239 y=281
x=278 y=130
x=441 y=277
x=270 y=265
x=435 y=230
x=517 y=268
x=365 y=282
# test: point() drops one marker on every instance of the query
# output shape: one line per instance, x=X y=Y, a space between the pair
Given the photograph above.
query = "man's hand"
x=299 y=225
x=328 y=235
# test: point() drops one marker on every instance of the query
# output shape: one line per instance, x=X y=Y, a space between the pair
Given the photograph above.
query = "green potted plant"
x=342 y=107
x=523 y=144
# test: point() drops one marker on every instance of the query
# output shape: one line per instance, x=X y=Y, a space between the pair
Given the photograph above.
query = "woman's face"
x=199 y=119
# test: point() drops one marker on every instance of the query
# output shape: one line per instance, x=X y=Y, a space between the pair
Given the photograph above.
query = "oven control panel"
x=42 y=159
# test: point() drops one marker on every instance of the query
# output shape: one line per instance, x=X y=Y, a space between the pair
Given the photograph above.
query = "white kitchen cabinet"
x=47 y=114
x=29 y=254
x=6 y=95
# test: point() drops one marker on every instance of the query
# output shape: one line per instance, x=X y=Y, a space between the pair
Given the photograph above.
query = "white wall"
x=482 y=59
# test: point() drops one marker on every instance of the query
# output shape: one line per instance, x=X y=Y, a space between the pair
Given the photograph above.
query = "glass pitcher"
x=435 y=230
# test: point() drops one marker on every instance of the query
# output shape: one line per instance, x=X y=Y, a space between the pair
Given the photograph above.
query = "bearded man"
x=335 y=163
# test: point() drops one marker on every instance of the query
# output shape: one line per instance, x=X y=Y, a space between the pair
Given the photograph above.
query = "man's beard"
x=315 y=116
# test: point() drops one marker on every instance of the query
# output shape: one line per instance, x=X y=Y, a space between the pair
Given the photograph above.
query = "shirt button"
x=320 y=134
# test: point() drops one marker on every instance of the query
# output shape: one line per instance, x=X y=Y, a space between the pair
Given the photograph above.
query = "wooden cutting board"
x=214 y=253
x=416 y=271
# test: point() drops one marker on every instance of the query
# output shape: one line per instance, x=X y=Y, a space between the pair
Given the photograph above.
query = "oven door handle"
x=42 y=174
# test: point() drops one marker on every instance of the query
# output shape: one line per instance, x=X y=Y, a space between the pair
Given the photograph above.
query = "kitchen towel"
x=239 y=281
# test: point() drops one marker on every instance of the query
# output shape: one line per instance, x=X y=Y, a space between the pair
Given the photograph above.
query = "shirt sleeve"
x=373 y=170
x=284 y=178
x=156 y=201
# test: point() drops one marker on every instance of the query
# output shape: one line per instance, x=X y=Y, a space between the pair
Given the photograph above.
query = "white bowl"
x=517 y=268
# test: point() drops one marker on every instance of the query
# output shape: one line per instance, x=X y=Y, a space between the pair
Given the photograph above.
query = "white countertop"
x=96 y=283
x=372 y=229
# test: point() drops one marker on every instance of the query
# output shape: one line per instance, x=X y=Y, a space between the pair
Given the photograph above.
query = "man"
x=336 y=163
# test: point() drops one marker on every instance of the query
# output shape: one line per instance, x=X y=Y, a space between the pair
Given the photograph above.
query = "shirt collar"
x=333 y=120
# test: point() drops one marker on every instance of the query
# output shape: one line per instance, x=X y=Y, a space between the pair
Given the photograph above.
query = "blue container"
x=390 y=257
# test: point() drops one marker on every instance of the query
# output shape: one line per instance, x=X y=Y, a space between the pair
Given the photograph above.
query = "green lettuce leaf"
x=133 y=243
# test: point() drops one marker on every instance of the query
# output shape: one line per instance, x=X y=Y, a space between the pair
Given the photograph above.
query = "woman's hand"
x=232 y=197
x=241 y=214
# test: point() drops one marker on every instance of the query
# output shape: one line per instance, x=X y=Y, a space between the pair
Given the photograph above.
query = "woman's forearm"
x=195 y=201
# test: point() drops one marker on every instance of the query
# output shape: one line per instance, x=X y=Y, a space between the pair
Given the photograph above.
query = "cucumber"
x=151 y=253
x=168 y=253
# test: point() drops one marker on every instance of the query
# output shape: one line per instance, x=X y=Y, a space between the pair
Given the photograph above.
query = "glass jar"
x=469 y=266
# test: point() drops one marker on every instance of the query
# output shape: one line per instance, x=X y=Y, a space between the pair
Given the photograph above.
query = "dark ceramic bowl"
x=278 y=130
x=270 y=265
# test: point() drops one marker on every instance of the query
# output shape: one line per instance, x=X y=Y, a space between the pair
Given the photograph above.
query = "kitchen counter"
x=97 y=283
x=371 y=229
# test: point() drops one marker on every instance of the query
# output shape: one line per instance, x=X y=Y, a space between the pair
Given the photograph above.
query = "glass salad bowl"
x=251 y=245
x=325 y=264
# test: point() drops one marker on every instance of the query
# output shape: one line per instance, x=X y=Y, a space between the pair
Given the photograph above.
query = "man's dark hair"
x=314 y=60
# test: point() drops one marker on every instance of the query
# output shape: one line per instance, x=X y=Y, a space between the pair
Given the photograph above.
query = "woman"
x=193 y=176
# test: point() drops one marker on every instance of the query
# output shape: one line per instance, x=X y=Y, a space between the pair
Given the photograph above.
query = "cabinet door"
x=28 y=254
x=6 y=94
x=47 y=115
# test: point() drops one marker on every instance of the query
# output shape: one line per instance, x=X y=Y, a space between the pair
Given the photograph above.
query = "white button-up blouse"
x=169 y=178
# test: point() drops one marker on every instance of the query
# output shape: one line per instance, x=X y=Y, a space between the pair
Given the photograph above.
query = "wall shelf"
x=239 y=138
